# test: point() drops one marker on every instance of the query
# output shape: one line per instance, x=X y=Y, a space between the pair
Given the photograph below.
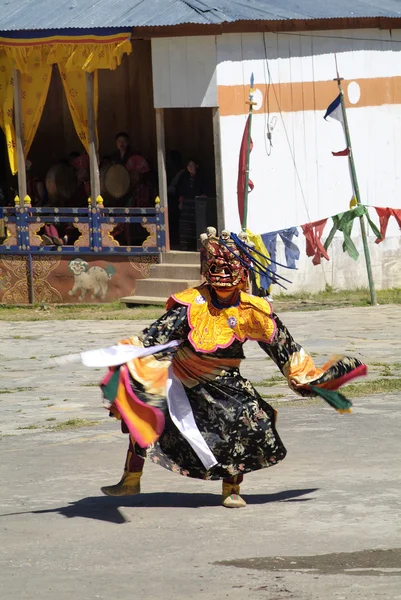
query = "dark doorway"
x=189 y=137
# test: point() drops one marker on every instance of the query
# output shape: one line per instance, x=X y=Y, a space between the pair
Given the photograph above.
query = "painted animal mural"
x=95 y=279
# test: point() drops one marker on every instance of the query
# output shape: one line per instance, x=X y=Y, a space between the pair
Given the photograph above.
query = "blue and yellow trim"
x=64 y=36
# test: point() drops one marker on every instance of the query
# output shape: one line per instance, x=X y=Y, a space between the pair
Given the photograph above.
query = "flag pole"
x=357 y=194
x=248 y=153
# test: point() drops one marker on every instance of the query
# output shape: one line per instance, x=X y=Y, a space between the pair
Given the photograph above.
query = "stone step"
x=176 y=257
x=175 y=271
x=159 y=288
x=130 y=300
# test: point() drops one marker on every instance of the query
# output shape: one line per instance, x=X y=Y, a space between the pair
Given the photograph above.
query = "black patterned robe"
x=237 y=424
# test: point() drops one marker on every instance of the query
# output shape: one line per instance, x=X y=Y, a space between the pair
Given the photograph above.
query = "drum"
x=114 y=184
x=61 y=183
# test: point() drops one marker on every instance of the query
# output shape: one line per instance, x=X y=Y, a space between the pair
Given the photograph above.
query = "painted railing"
x=21 y=229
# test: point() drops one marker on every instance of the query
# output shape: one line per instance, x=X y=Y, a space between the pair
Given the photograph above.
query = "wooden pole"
x=92 y=133
x=248 y=154
x=355 y=185
x=161 y=169
x=22 y=187
x=218 y=169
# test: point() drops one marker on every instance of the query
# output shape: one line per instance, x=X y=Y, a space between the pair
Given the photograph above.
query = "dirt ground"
x=324 y=524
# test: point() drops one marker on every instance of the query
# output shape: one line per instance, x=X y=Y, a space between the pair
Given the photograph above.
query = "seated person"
x=37 y=192
x=72 y=158
x=35 y=187
x=80 y=164
x=123 y=151
x=139 y=171
x=79 y=199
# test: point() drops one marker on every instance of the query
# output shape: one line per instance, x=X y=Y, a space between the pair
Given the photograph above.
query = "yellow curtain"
x=6 y=108
x=34 y=62
x=35 y=80
x=34 y=88
x=90 y=57
x=74 y=83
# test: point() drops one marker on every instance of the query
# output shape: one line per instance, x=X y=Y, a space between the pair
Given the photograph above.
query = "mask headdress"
x=227 y=261
x=224 y=265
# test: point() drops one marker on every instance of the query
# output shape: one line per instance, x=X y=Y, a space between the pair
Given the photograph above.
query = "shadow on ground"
x=378 y=562
x=104 y=508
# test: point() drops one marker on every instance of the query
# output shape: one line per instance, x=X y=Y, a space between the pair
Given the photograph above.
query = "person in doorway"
x=175 y=169
x=189 y=186
x=178 y=391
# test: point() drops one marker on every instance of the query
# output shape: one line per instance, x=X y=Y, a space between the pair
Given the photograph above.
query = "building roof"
x=23 y=15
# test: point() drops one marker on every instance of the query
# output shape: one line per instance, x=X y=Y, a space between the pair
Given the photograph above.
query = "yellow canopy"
x=33 y=58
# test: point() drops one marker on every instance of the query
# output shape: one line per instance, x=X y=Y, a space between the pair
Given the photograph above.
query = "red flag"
x=384 y=215
x=314 y=247
x=341 y=153
x=242 y=172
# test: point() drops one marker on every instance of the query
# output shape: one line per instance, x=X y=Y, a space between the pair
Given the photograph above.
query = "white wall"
x=300 y=181
x=184 y=72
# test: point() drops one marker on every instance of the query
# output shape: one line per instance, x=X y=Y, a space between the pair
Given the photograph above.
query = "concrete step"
x=159 y=288
x=130 y=300
x=175 y=271
x=175 y=257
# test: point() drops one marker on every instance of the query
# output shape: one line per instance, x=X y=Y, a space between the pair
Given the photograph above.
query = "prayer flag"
x=341 y=153
x=314 y=247
x=335 y=111
x=384 y=215
x=242 y=171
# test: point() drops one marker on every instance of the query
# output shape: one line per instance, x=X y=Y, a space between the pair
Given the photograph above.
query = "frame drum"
x=114 y=184
x=61 y=183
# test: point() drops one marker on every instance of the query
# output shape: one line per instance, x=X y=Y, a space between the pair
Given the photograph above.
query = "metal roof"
x=89 y=14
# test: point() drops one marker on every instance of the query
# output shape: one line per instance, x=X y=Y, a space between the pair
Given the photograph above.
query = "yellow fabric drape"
x=34 y=81
x=74 y=57
x=86 y=55
x=6 y=108
x=89 y=57
x=74 y=83
x=256 y=239
x=34 y=88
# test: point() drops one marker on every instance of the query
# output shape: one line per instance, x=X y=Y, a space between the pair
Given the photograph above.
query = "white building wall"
x=298 y=180
x=184 y=72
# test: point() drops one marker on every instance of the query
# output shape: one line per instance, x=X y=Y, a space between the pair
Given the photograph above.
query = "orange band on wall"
x=301 y=96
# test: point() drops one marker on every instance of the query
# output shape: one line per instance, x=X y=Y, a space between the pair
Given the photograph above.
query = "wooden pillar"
x=218 y=169
x=161 y=169
x=23 y=227
x=93 y=158
x=22 y=189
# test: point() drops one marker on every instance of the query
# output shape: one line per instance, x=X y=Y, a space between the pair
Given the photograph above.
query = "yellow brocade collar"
x=213 y=328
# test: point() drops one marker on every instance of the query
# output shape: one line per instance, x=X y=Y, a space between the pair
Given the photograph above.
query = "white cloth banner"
x=183 y=418
x=113 y=356
x=177 y=400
